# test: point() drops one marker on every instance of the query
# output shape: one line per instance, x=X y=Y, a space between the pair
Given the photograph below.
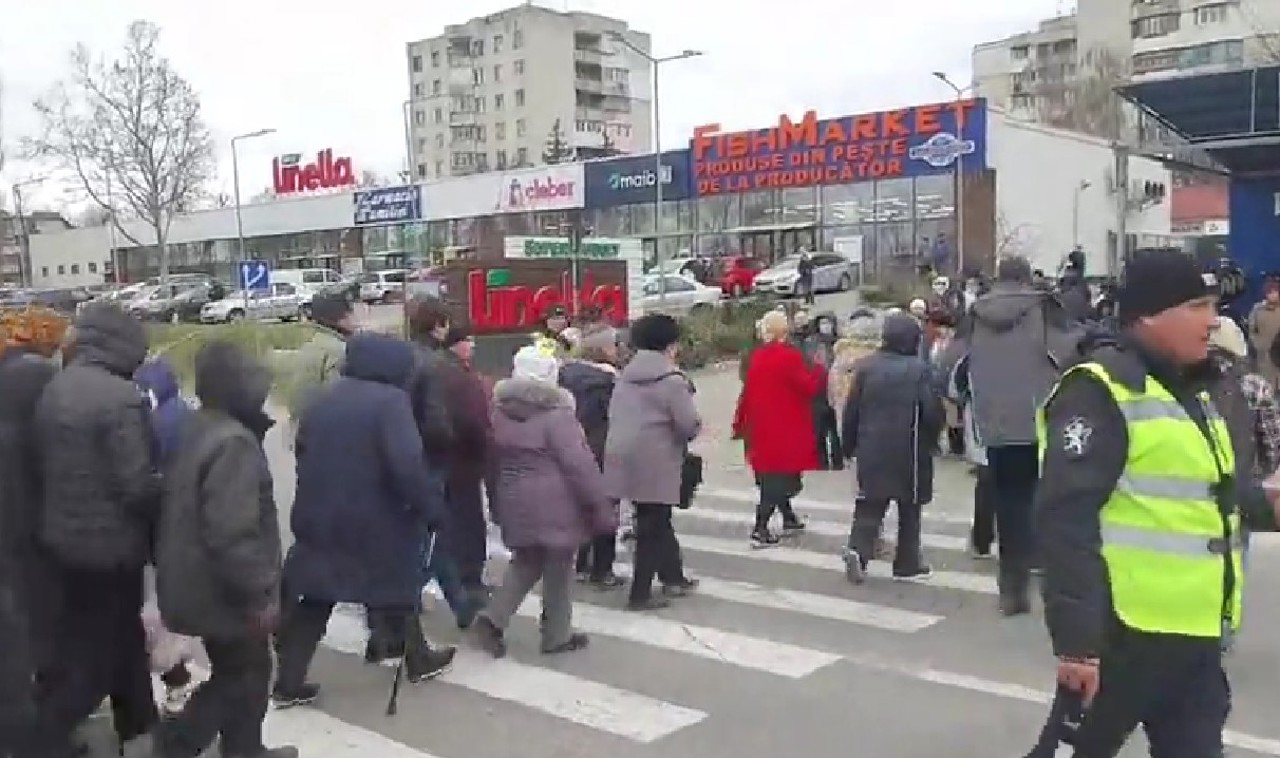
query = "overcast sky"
x=332 y=74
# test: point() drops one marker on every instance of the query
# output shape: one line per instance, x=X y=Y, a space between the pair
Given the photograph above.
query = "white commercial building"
x=487 y=94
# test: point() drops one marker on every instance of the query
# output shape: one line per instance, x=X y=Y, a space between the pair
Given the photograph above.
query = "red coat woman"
x=774 y=418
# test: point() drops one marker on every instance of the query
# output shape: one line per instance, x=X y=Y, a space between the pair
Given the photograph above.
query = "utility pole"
x=24 y=239
x=1120 y=253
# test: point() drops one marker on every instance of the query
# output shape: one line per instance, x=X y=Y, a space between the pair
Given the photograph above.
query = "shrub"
x=180 y=343
x=720 y=333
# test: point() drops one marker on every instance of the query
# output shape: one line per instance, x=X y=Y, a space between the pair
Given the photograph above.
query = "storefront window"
x=760 y=208
x=935 y=242
x=639 y=220
x=893 y=201
x=799 y=205
x=848 y=203
x=832 y=233
x=677 y=216
x=715 y=245
x=608 y=222
x=894 y=241
x=718 y=213
x=935 y=197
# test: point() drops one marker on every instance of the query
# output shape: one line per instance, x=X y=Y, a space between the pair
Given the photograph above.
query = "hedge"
x=179 y=343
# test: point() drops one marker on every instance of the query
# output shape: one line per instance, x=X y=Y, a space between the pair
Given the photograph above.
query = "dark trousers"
x=804 y=288
x=445 y=571
x=230 y=706
x=103 y=653
x=657 y=551
x=983 y=533
x=1174 y=687
x=296 y=642
x=828 y=431
x=1014 y=471
x=868 y=516
x=468 y=532
x=597 y=556
x=776 y=491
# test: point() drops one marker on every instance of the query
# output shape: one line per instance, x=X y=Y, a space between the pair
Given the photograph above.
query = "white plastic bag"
x=166 y=648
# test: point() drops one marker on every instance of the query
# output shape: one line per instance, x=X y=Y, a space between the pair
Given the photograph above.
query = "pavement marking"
x=771 y=657
x=316 y=733
x=1012 y=691
x=844 y=509
x=584 y=702
x=813 y=604
x=955 y=580
x=821 y=528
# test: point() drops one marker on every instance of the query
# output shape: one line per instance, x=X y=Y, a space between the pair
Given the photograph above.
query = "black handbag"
x=690 y=478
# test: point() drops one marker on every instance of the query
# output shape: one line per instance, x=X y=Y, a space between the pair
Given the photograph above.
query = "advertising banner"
x=633 y=179
x=915 y=141
x=546 y=188
x=388 y=205
x=628 y=250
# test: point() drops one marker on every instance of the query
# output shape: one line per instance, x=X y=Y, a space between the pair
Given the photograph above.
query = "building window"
x=422 y=171
x=517 y=39
x=1211 y=14
x=1156 y=26
x=497 y=43
x=417 y=90
x=93 y=268
x=417 y=64
x=439 y=116
x=436 y=86
x=498 y=101
x=500 y=130
x=1019 y=53
x=75 y=268
x=501 y=158
x=440 y=168
x=497 y=73
x=520 y=127
x=44 y=271
x=522 y=156
x=477 y=47
x=440 y=140
x=419 y=118
x=519 y=98
x=435 y=59
x=62 y=270
x=479 y=105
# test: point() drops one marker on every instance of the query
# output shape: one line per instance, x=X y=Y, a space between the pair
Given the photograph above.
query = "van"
x=382 y=286
x=310 y=278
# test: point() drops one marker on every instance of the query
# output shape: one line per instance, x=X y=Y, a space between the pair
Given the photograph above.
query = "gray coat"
x=652 y=420
x=893 y=417
x=548 y=490
x=1019 y=340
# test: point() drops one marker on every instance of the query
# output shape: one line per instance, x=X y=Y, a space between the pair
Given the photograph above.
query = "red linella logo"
x=326 y=172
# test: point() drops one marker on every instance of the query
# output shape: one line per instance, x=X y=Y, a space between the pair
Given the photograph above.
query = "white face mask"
x=825 y=327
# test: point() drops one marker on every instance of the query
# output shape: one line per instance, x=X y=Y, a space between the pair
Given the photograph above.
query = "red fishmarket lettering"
x=325 y=173
x=516 y=308
x=812 y=151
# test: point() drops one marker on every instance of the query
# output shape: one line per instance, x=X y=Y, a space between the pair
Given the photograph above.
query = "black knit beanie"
x=1157 y=280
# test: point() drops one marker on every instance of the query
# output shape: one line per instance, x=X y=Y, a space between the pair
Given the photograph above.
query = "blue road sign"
x=255 y=275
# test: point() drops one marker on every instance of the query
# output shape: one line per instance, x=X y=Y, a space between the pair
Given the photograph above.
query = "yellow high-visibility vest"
x=1164 y=540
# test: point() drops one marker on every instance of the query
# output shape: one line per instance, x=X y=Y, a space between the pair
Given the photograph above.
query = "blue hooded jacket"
x=169 y=412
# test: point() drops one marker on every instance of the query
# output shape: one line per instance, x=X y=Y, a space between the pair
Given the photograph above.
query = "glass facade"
x=901 y=223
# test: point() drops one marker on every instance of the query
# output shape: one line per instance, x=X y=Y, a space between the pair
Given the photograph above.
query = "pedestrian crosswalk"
x=782 y=621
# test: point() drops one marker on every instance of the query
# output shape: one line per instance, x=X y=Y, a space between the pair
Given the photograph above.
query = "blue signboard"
x=925 y=139
x=254 y=276
x=388 y=205
x=633 y=178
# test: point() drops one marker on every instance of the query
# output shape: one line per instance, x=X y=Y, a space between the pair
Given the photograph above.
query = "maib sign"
x=635 y=179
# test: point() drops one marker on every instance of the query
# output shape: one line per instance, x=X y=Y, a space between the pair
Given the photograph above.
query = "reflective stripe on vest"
x=1164 y=540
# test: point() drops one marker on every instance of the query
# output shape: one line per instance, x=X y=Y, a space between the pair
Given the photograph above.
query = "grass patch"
x=179 y=343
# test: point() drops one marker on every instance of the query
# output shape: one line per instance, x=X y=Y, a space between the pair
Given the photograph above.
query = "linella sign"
x=515 y=307
x=540 y=193
x=325 y=172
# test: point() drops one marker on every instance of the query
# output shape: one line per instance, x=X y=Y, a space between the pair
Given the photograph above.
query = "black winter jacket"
x=591 y=385
x=428 y=389
x=101 y=490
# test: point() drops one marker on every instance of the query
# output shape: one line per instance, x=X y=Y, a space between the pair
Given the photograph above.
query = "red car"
x=739 y=275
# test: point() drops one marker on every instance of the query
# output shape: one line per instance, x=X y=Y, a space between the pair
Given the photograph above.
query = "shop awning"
x=1232 y=116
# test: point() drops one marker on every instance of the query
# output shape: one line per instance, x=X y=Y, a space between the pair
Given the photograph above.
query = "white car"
x=831 y=273
x=286 y=302
x=683 y=295
x=382 y=286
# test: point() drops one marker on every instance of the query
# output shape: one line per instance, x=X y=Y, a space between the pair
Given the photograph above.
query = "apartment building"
x=1026 y=73
x=488 y=94
x=1175 y=37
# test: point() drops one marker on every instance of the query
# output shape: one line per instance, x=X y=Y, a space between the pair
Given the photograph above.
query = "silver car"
x=831 y=273
x=682 y=297
x=286 y=302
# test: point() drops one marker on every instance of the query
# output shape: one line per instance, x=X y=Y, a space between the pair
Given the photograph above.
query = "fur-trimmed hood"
x=523 y=399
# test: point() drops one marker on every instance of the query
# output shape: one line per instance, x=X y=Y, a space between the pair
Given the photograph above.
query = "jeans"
x=827 y=429
x=596 y=558
x=1014 y=472
x=776 y=491
x=657 y=551
x=868 y=516
x=468 y=532
x=530 y=565
x=442 y=568
x=231 y=705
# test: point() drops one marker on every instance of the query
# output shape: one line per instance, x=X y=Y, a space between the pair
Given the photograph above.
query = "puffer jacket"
x=591 y=385
x=101 y=489
x=218 y=546
x=548 y=490
x=169 y=411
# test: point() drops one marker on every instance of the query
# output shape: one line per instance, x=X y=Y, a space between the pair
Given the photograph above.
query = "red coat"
x=775 y=410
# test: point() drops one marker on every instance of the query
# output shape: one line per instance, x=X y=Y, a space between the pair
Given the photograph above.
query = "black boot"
x=423 y=662
x=1015 y=589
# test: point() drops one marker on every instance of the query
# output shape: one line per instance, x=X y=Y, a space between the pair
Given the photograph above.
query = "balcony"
x=588 y=113
x=592 y=56
x=1146 y=8
x=585 y=84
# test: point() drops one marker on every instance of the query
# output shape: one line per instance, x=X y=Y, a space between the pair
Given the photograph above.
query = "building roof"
x=1233 y=116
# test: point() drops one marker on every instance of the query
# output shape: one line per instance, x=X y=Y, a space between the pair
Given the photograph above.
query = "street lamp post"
x=235 y=181
x=958 y=172
x=656 y=63
x=1075 y=212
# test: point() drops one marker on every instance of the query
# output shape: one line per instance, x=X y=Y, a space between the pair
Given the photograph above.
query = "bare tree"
x=1014 y=239
x=131 y=131
x=1086 y=100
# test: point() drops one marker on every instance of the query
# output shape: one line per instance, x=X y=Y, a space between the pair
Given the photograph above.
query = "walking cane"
x=393 y=700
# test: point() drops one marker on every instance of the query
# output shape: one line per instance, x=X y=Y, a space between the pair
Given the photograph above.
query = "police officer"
x=1138 y=518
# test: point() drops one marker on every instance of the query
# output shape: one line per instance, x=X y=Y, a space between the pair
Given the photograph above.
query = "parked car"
x=382 y=286
x=283 y=301
x=683 y=295
x=176 y=302
x=348 y=286
x=738 y=277
x=831 y=273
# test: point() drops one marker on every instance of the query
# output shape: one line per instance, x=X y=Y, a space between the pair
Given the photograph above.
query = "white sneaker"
x=175 y=698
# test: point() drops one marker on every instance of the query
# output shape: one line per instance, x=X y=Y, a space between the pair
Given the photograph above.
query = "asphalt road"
x=776 y=654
